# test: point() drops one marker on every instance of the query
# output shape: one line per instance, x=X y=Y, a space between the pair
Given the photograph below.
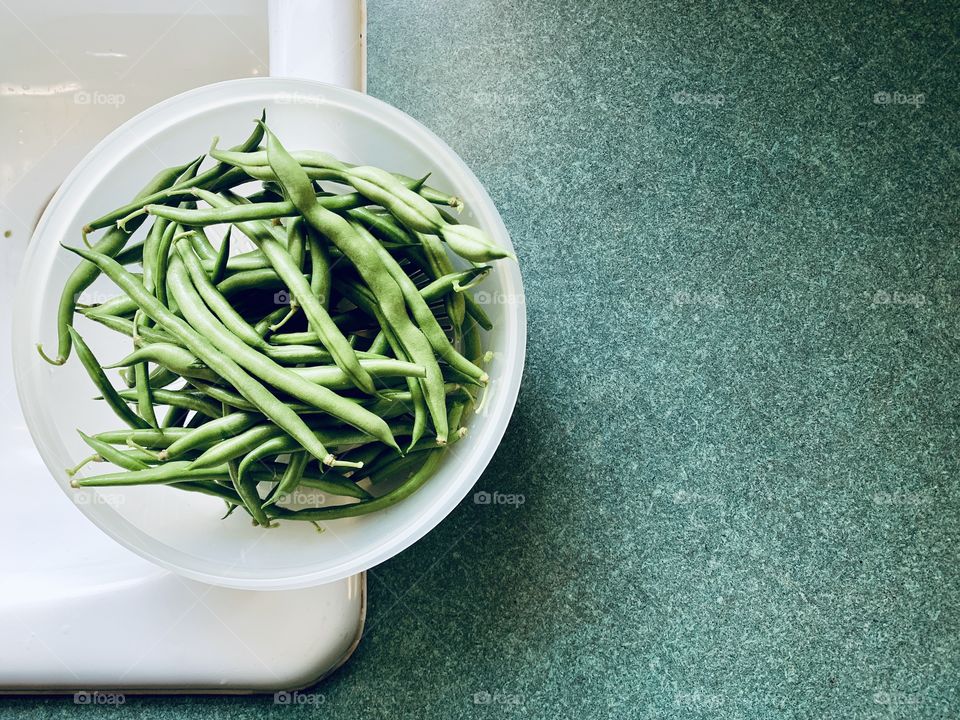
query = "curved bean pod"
x=103 y=384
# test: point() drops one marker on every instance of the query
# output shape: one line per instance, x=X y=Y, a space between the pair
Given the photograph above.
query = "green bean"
x=150 y=249
x=247 y=490
x=280 y=444
x=333 y=339
x=253 y=260
x=212 y=432
x=319 y=268
x=453 y=282
x=263 y=367
x=113 y=455
x=379 y=346
x=132 y=254
x=291 y=479
x=330 y=376
x=421 y=311
x=440 y=264
x=146 y=437
x=201 y=243
x=122 y=325
x=219 y=271
x=85 y=273
x=200 y=346
x=332 y=485
x=265 y=278
x=173 y=357
x=162 y=377
x=202 y=217
x=477 y=313
x=297 y=242
x=420 y=410
x=217 y=303
x=155 y=248
x=276 y=445
x=212 y=175
x=170 y=472
x=207 y=487
x=237 y=446
x=472 y=346
x=176 y=417
x=163 y=261
x=238 y=402
x=297 y=187
x=141 y=384
x=383 y=224
x=120 y=306
x=265 y=324
x=103 y=384
x=295 y=338
x=433 y=195
x=296 y=354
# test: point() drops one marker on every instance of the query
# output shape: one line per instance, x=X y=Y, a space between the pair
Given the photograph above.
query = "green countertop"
x=737 y=436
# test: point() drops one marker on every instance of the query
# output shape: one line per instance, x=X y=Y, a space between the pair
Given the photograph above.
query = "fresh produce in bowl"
x=342 y=352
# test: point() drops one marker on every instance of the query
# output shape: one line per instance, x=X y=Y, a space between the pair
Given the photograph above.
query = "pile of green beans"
x=341 y=353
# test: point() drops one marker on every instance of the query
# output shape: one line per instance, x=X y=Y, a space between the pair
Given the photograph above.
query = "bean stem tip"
x=59 y=360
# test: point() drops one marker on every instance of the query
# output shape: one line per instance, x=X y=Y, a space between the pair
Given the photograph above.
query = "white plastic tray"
x=78 y=611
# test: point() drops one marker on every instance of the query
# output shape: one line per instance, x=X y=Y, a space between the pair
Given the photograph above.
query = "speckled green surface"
x=737 y=434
